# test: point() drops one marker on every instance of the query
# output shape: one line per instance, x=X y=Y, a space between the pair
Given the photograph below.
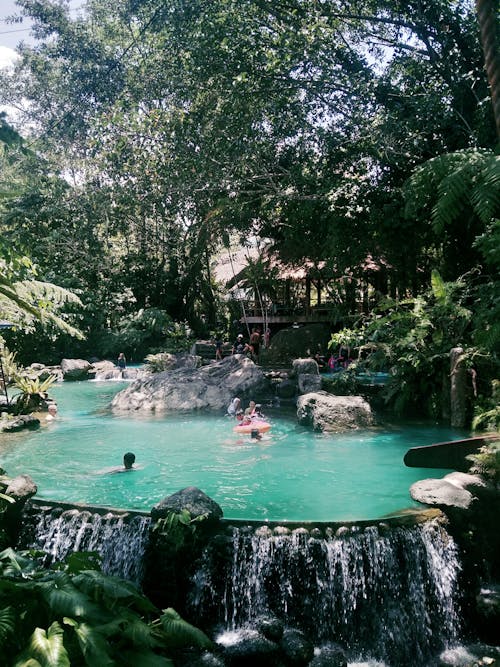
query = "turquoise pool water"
x=292 y=474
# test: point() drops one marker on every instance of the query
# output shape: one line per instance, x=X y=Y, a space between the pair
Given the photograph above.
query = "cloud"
x=7 y=56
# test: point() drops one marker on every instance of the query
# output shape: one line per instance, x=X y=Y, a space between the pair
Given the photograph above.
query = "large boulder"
x=295 y=342
x=192 y=499
x=75 y=369
x=309 y=383
x=207 y=388
x=21 y=488
x=457 y=490
x=325 y=412
x=301 y=366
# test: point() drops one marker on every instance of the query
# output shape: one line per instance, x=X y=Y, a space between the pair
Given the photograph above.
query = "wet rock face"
x=325 y=412
x=186 y=389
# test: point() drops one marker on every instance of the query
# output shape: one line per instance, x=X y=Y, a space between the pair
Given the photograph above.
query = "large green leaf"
x=94 y=647
x=102 y=587
x=64 y=598
x=47 y=648
x=179 y=633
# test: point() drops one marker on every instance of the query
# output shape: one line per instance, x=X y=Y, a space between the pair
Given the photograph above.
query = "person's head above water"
x=128 y=460
x=255 y=435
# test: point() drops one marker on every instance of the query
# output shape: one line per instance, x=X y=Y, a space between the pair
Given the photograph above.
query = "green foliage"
x=341 y=383
x=349 y=337
x=180 y=633
x=70 y=615
x=487 y=461
x=157 y=363
x=33 y=391
x=412 y=339
x=178 y=527
x=10 y=367
x=146 y=331
x=487 y=410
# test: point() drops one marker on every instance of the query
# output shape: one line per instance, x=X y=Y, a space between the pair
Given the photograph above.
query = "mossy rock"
x=294 y=343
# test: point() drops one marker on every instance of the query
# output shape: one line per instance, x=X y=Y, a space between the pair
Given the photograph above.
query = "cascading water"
x=387 y=593
x=119 y=540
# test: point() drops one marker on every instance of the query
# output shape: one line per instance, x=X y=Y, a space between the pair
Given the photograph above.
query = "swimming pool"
x=291 y=474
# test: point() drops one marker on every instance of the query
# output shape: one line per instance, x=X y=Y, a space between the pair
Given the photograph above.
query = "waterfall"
x=120 y=540
x=387 y=593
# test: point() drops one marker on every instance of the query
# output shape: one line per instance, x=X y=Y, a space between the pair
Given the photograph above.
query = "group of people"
x=247 y=416
x=335 y=363
x=250 y=347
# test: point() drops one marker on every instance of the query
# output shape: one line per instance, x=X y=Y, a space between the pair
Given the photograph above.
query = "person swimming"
x=128 y=460
x=128 y=465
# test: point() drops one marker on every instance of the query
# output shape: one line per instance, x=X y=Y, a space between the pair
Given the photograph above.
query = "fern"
x=467 y=178
x=7 y=624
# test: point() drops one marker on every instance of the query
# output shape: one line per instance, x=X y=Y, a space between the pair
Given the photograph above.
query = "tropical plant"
x=22 y=302
x=487 y=410
x=33 y=392
x=412 y=338
x=71 y=614
x=10 y=367
x=487 y=461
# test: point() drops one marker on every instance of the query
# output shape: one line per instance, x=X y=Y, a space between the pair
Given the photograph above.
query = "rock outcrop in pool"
x=207 y=388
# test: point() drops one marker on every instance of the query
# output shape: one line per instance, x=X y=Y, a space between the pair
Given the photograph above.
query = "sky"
x=13 y=33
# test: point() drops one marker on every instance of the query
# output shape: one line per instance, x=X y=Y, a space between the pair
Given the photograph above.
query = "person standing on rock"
x=255 y=343
x=122 y=362
x=239 y=345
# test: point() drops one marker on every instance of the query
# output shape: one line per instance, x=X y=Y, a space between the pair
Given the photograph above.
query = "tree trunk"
x=458 y=389
x=487 y=17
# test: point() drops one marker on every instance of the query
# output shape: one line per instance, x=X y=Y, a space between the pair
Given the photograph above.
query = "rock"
x=291 y=343
x=271 y=627
x=209 y=387
x=21 y=488
x=304 y=366
x=19 y=423
x=441 y=493
x=193 y=658
x=192 y=499
x=325 y=412
x=75 y=369
x=329 y=655
x=309 y=383
x=488 y=611
x=286 y=389
x=477 y=485
x=248 y=648
x=472 y=655
x=296 y=647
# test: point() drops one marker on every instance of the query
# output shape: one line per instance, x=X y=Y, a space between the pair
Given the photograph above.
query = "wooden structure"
x=272 y=292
